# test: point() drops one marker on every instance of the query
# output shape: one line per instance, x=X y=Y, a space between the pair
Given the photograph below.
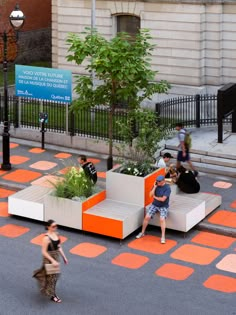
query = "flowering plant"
x=136 y=168
x=74 y=185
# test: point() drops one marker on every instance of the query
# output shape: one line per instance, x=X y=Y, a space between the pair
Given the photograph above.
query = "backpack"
x=187 y=139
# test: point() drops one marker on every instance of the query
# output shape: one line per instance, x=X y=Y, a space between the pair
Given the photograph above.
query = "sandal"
x=56 y=299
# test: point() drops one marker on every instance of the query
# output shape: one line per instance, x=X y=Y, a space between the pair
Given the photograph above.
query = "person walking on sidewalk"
x=183 y=152
x=51 y=250
x=161 y=194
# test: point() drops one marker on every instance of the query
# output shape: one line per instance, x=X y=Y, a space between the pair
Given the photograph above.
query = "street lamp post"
x=17 y=19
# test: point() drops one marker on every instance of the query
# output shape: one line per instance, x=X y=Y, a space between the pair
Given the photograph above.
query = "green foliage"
x=121 y=65
x=74 y=184
x=143 y=125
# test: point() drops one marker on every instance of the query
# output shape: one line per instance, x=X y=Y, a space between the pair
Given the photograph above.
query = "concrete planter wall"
x=130 y=189
x=67 y=212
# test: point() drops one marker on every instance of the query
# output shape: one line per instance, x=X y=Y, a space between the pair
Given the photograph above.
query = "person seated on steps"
x=187 y=182
x=162 y=163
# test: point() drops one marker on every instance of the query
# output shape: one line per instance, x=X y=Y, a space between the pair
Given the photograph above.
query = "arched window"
x=128 y=23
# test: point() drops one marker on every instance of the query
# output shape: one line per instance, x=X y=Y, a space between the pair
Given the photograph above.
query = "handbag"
x=49 y=268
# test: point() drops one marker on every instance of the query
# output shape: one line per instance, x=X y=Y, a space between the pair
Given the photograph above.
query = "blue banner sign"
x=43 y=83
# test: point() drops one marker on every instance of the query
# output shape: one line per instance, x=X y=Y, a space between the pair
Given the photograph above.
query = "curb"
x=217 y=229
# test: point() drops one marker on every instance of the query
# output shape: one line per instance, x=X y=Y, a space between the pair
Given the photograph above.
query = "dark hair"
x=179 y=124
x=49 y=223
x=181 y=169
x=83 y=158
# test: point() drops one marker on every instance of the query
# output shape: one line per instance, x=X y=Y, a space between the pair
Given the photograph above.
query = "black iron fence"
x=24 y=112
x=192 y=111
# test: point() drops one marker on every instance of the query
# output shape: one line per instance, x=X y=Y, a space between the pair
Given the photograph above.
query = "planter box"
x=68 y=212
x=130 y=189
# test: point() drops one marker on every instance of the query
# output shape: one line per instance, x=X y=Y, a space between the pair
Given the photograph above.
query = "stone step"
x=209 y=164
x=208 y=159
x=202 y=151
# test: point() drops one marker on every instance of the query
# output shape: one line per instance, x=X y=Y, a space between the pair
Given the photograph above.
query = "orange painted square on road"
x=224 y=217
x=22 y=176
x=131 y=261
x=152 y=244
x=2 y=172
x=195 y=254
x=4 y=209
x=36 y=150
x=13 y=145
x=88 y=250
x=102 y=174
x=39 y=239
x=43 y=165
x=233 y=204
x=228 y=263
x=12 y=230
x=62 y=155
x=174 y=272
x=213 y=240
x=222 y=185
x=221 y=283
x=4 y=193
x=47 y=181
x=18 y=159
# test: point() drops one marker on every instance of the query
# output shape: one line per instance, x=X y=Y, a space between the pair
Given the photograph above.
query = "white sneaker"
x=163 y=240
x=140 y=235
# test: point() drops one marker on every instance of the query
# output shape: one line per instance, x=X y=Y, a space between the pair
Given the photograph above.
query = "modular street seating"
x=116 y=212
x=113 y=218
x=29 y=202
x=187 y=210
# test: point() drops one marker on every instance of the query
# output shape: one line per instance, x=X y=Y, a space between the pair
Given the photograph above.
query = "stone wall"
x=195 y=40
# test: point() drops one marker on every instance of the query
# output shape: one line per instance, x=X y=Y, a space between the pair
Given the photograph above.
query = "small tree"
x=122 y=66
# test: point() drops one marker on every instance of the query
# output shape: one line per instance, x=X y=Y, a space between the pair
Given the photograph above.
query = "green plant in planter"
x=142 y=133
x=74 y=185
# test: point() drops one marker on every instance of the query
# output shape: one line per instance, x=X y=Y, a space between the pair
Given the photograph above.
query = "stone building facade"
x=196 y=39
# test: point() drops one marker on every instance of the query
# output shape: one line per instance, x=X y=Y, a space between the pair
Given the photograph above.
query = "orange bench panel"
x=93 y=200
x=102 y=225
x=149 y=181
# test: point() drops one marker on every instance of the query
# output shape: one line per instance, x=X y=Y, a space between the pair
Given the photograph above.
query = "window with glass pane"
x=128 y=23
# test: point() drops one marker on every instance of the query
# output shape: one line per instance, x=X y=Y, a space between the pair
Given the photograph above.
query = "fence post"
x=158 y=112
x=72 y=122
x=16 y=112
x=197 y=110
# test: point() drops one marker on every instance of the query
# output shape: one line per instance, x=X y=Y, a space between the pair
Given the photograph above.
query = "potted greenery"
x=132 y=180
x=73 y=194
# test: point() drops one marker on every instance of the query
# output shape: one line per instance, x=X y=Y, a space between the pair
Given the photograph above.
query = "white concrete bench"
x=184 y=213
x=113 y=218
x=29 y=202
x=213 y=201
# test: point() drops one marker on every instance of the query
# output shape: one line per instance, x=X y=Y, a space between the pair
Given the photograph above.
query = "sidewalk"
x=31 y=165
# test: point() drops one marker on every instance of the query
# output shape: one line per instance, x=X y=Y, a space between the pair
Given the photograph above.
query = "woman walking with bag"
x=48 y=274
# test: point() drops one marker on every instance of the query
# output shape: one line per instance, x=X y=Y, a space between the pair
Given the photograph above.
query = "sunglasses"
x=54 y=226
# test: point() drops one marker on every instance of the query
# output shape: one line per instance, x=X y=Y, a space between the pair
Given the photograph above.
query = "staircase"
x=207 y=154
x=208 y=162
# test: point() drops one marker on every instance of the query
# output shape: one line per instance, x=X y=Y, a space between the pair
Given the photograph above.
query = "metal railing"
x=192 y=111
x=24 y=112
